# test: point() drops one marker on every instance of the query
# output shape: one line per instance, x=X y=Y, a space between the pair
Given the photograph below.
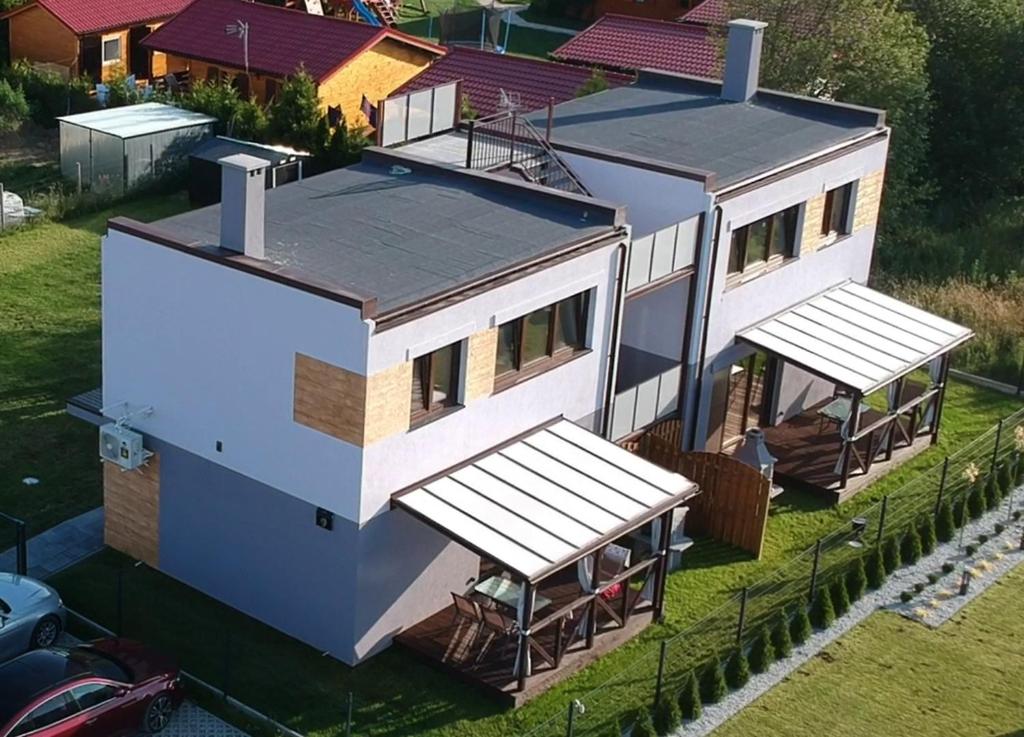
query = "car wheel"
x=158 y=713
x=46 y=632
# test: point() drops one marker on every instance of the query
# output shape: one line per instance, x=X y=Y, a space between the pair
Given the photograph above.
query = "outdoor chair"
x=498 y=628
x=466 y=610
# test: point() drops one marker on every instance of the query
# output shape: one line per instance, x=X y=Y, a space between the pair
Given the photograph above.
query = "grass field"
x=890 y=676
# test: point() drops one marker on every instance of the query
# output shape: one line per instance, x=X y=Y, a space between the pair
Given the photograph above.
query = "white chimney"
x=743 y=60
x=242 y=194
x=754 y=452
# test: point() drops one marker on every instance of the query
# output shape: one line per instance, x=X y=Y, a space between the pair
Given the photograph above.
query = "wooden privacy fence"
x=734 y=499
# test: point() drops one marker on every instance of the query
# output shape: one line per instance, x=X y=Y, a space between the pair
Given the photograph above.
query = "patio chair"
x=466 y=610
x=498 y=627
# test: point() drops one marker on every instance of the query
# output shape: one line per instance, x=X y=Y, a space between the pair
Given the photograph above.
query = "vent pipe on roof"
x=242 y=194
x=743 y=60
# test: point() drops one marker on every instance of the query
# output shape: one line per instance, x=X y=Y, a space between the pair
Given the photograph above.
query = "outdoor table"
x=838 y=410
x=506 y=591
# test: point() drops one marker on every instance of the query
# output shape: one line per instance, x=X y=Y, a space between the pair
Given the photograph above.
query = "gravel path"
x=933 y=606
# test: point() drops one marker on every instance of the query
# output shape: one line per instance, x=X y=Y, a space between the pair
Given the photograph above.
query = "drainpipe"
x=701 y=317
x=615 y=338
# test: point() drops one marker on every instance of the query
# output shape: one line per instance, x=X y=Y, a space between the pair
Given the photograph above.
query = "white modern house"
x=384 y=402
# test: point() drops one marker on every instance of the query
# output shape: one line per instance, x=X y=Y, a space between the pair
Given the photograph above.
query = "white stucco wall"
x=575 y=389
x=212 y=350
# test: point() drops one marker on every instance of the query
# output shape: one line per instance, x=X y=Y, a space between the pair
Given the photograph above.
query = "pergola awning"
x=547 y=499
x=856 y=337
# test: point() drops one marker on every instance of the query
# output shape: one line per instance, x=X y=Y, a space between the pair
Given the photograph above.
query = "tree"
x=910 y=546
x=840 y=597
x=295 y=114
x=856 y=581
x=976 y=500
x=823 y=613
x=344 y=147
x=876 y=570
x=643 y=725
x=689 y=698
x=737 y=670
x=249 y=121
x=762 y=654
x=781 y=640
x=1004 y=477
x=667 y=716
x=800 y=625
x=13 y=107
x=945 y=524
x=597 y=82
x=891 y=555
x=993 y=494
x=713 y=687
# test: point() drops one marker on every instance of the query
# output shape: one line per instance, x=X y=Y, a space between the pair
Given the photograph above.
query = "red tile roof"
x=280 y=40
x=84 y=17
x=624 y=42
x=708 y=13
x=484 y=74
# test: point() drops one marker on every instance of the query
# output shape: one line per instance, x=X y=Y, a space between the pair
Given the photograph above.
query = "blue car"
x=31 y=615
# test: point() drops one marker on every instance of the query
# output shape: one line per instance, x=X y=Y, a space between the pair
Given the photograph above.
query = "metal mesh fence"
x=787 y=587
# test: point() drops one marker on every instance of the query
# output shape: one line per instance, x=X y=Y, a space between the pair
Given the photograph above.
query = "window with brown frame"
x=764 y=241
x=435 y=382
x=534 y=342
x=836 y=218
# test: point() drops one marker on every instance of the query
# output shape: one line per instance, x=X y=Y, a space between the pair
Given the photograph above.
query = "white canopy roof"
x=856 y=336
x=546 y=499
x=138 y=120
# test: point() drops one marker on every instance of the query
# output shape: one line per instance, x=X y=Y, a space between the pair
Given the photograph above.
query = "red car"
x=104 y=689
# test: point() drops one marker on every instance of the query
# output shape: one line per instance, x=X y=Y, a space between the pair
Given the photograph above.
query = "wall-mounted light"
x=860 y=524
x=324 y=519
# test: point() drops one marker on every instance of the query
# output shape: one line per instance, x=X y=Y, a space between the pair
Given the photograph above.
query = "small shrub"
x=643 y=725
x=948 y=568
x=971 y=549
x=13 y=107
x=856 y=580
x=1016 y=514
x=597 y=82
x=918 y=587
x=933 y=578
x=800 y=625
x=927 y=531
x=667 y=716
x=906 y=597
x=876 y=570
x=689 y=698
x=976 y=502
x=840 y=597
x=466 y=109
x=910 y=546
x=762 y=653
x=993 y=494
x=713 y=687
x=48 y=94
x=781 y=640
x=945 y=524
x=999 y=528
x=823 y=614
x=1004 y=478
x=891 y=555
x=982 y=539
x=737 y=670
x=1020 y=470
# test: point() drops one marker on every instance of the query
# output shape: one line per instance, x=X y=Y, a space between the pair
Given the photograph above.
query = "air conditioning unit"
x=123 y=446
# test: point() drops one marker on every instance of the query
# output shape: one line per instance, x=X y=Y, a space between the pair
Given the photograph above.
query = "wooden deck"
x=456 y=647
x=808 y=450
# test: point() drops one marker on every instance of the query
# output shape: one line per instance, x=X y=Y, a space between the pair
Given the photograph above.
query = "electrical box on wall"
x=324 y=519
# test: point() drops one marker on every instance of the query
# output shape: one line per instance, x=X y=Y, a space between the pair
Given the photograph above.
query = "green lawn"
x=50 y=350
x=890 y=676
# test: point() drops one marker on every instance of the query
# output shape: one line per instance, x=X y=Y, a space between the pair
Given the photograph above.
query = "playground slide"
x=365 y=13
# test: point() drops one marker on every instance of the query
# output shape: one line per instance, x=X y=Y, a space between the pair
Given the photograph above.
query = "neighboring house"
x=98 y=38
x=491 y=81
x=708 y=13
x=653 y=9
x=350 y=403
x=626 y=43
x=347 y=60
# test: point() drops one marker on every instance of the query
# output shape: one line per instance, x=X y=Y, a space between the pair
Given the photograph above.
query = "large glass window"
x=836 y=218
x=763 y=241
x=111 y=49
x=536 y=340
x=435 y=382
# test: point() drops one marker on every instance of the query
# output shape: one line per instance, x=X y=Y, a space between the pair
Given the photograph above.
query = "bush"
x=856 y=580
x=121 y=92
x=1016 y=515
x=948 y=568
x=840 y=597
x=993 y=495
x=1004 y=478
x=960 y=510
x=762 y=653
x=982 y=539
x=891 y=556
x=970 y=549
x=689 y=698
x=927 y=530
x=976 y=501
x=918 y=587
x=295 y=113
x=800 y=625
x=999 y=528
x=667 y=716
x=48 y=94
x=823 y=614
x=781 y=640
x=596 y=83
x=876 y=570
x=249 y=121
x=910 y=546
x=643 y=725
x=466 y=109
x=1020 y=470
x=945 y=523
x=906 y=597
x=737 y=670
x=13 y=107
x=933 y=578
x=713 y=687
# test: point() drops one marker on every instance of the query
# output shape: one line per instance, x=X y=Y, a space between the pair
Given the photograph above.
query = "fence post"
x=942 y=486
x=995 y=451
x=469 y=144
x=661 y=671
x=21 y=544
x=881 y=519
x=743 y=613
x=574 y=706
x=348 y=717
x=814 y=570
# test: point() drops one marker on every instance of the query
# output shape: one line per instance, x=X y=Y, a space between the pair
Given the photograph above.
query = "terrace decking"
x=456 y=647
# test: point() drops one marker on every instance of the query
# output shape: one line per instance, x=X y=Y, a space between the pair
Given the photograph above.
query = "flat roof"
x=138 y=120
x=401 y=230
x=683 y=122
